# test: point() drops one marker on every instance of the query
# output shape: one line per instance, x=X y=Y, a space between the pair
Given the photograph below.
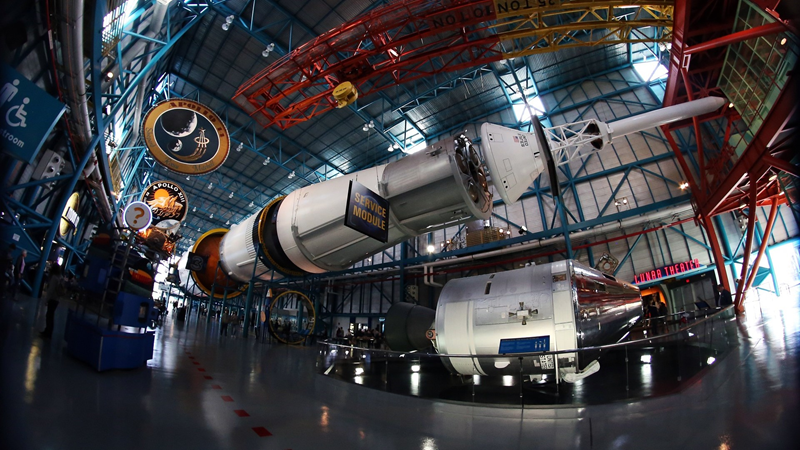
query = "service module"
x=367 y=212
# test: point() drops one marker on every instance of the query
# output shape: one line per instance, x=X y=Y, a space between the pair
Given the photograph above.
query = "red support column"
x=719 y=260
x=748 y=247
x=767 y=232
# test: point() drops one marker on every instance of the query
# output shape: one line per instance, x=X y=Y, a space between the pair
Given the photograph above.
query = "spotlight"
x=226 y=26
x=773 y=177
x=391 y=149
x=229 y=19
x=365 y=128
x=239 y=147
x=251 y=204
x=227 y=222
x=198 y=228
x=230 y=195
x=210 y=185
x=109 y=75
x=265 y=53
x=523 y=230
x=783 y=41
x=187 y=177
x=372 y=124
x=730 y=105
x=684 y=185
x=508 y=232
x=395 y=146
x=266 y=161
x=194 y=209
x=431 y=248
x=211 y=216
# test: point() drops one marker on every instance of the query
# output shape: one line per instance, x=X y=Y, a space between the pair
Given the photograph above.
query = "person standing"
x=19 y=272
x=724 y=299
x=55 y=287
x=652 y=313
x=7 y=268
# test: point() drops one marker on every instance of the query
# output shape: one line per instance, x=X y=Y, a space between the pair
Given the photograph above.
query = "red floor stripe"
x=191 y=357
x=208 y=377
x=227 y=398
x=200 y=369
x=241 y=413
x=195 y=363
x=262 y=432
x=216 y=386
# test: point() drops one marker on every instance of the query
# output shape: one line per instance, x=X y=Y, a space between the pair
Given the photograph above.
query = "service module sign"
x=367 y=212
x=27 y=115
x=186 y=137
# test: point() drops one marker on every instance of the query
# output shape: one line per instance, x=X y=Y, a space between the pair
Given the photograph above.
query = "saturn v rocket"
x=446 y=184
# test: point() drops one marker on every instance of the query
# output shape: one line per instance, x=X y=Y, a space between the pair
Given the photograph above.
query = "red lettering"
x=696 y=263
x=682 y=268
x=658 y=272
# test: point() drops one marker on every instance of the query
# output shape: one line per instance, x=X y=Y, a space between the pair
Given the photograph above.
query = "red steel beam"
x=763 y=30
x=752 y=159
x=782 y=165
x=748 y=248
x=719 y=260
x=764 y=241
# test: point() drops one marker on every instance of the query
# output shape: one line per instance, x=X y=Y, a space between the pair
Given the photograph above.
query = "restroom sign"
x=27 y=115
x=367 y=212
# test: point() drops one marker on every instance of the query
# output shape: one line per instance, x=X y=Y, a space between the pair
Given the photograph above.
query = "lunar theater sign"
x=167 y=201
x=186 y=137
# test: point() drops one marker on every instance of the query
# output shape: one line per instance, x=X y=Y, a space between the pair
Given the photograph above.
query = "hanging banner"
x=186 y=137
x=168 y=203
x=27 y=115
x=367 y=212
x=69 y=217
x=137 y=215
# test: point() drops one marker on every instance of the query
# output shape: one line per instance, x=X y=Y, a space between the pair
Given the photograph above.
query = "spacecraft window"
x=609 y=277
x=488 y=288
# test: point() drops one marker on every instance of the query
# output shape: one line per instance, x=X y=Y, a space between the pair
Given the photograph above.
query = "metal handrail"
x=554 y=352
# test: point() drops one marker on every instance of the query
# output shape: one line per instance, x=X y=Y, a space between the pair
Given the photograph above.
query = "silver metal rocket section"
x=440 y=186
x=562 y=306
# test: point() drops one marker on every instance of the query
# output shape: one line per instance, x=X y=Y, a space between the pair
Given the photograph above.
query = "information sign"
x=367 y=212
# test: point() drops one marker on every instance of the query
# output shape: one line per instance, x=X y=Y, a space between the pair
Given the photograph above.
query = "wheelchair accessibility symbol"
x=16 y=115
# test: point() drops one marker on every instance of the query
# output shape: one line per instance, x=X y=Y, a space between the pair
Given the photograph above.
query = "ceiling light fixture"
x=266 y=161
x=239 y=147
x=211 y=216
x=210 y=185
x=109 y=75
x=269 y=48
x=230 y=195
x=228 y=21
x=194 y=209
x=227 y=222
x=391 y=149
x=371 y=124
x=395 y=146
x=730 y=105
x=187 y=177
x=251 y=205
x=783 y=41
x=684 y=185
x=365 y=128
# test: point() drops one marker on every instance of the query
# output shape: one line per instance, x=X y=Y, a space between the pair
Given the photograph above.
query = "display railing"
x=640 y=367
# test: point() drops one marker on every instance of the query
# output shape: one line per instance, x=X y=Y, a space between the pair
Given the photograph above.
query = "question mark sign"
x=139 y=213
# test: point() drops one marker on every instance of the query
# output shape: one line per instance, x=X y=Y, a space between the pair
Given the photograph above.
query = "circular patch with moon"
x=167 y=201
x=186 y=136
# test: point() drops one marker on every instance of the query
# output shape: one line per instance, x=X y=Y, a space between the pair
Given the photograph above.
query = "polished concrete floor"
x=203 y=391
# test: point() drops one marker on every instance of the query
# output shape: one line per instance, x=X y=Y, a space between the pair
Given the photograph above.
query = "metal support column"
x=764 y=242
x=748 y=248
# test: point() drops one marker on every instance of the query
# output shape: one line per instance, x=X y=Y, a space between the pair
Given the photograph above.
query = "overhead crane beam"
x=414 y=39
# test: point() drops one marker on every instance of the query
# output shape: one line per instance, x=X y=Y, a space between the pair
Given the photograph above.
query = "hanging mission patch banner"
x=186 y=137
x=167 y=201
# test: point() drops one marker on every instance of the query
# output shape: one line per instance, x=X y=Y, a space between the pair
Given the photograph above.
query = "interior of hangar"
x=471 y=203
